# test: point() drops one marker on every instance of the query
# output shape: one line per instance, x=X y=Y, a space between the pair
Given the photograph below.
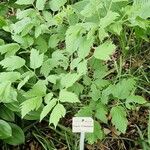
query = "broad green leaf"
x=73 y=36
x=9 y=76
x=119 y=119
x=41 y=44
x=48 y=97
x=23 y=82
x=48 y=108
x=39 y=89
x=82 y=67
x=74 y=63
x=25 y=13
x=47 y=66
x=88 y=10
x=25 y=41
x=65 y=96
x=5 y=92
x=56 y=4
x=108 y=19
x=95 y=93
x=85 y=112
x=9 y=48
x=77 y=88
x=36 y=59
x=24 y=2
x=69 y=79
x=102 y=34
x=12 y=63
x=17 y=136
x=27 y=29
x=85 y=47
x=38 y=31
x=6 y=113
x=96 y=135
x=123 y=89
x=58 y=112
x=53 y=41
x=21 y=25
x=116 y=28
x=53 y=78
x=40 y=4
x=30 y=105
x=104 y=51
x=134 y=99
x=101 y=112
x=5 y=130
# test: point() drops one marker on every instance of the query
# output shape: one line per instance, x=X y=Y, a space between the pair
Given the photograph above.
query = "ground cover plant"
x=65 y=58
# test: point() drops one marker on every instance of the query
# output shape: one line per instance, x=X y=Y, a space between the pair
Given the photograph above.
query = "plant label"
x=82 y=124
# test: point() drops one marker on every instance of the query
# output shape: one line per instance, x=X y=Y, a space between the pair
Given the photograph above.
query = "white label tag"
x=82 y=124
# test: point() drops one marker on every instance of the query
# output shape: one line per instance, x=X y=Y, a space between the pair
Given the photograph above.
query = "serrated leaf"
x=30 y=105
x=53 y=41
x=39 y=89
x=116 y=28
x=56 y=4
x=82 y=67
x=21 y=25
x=58 y=112
x=134 y=99
x=69 y=79
x=65 y=96
x=77 y=88
x=124 y=88
x=48 y=97
x=52 y=78
x=25 y=13
x=108 y=19
x=24 y=2
x=104 y=51
x=41 y=44
x=85 y=47
x=40 y=4
x=9 y=76
x=36 y=59
x=102 y=34
x=5 y=130
x=85 y=112
x=101 y=112
x=74 y=63
x=47 y=66
x=9 y=48
x=119 y=119
x=23 y=82
x=96 y=135
x=48 y=108
x=12 y=63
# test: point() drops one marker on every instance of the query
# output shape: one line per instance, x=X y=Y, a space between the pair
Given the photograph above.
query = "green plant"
x=59 y=60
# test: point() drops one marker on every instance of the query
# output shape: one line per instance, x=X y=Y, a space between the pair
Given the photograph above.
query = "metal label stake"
x=82 y=125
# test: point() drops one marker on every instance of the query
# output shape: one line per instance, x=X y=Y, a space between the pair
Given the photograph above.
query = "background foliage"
x=61 y=59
